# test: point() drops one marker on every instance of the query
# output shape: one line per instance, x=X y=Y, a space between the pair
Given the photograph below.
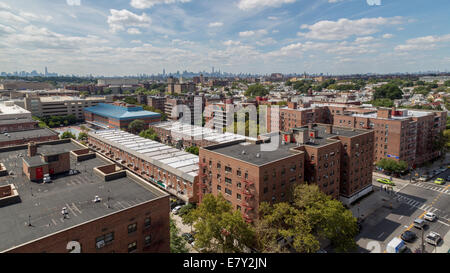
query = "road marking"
x=443 y=223
x=380 y=235
x=71 y=210
x=400 y=217
x=75 y=208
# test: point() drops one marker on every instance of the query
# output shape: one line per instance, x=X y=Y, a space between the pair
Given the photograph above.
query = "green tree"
x=149 y=134
x=256 y=90
x=389 y=91
x=312 y=215
x=392 y=165
x=219 y=228
x=82 y=136
x=447 y=83
x=383 y=103
x=424 y=90
x=177 y=243
x=193 y=150
x=136 y=126
x=130 y=100
x=67 y=135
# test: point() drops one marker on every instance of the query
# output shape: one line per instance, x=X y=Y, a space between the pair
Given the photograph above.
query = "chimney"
x=32 y=149
x=329 y=129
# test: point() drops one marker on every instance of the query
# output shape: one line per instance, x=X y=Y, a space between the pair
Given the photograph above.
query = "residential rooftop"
x=254 y=154
x=69 y=98
x=407 y=113
x=42 y=203
x=180 y=163
x=9 y=108
x=29 y=134
x=181 y=130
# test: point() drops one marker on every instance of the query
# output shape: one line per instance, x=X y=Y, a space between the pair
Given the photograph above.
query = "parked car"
x=448 y=178
x=408 y=236
x=419 y=223
x=188 y=237
x=430 y=216
x=433 y=238
x=176 y=210
x=439 y=181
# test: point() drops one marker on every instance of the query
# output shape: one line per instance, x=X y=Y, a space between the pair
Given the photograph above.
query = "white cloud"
x=362 y=40
x=121 y=19
x=388 y=36
x=73 y=2
x=344 y=28
x=136 y=42
x=6 y=29
x=273 y=18
x=4 y=6
x=215 y=24
x=254 y=4
x=145 y=4
x=133 y=31
x=424 y=43
x=334 y=1
x=250 y=33
x=231 y=43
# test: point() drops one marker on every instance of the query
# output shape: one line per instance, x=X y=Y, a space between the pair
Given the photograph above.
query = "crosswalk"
x=433 y=188
x=419 y=205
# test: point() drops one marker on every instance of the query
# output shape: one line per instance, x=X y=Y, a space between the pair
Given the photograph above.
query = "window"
x=147 y=222
x=228 y=191
x=218 y=166
x=239 y=173
x=132 y=247
x=228 y=180
x=266 y=189
x=132 y=228
x=238 y=196
x=104 y=240
x=228 y=169
x=239 y=185
x=147 y=240
x=219 y=188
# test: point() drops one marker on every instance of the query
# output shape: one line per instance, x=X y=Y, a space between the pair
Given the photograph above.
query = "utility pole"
x=423 y=245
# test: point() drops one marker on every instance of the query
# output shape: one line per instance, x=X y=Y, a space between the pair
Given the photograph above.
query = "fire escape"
x=201 y=184
x=248 y=200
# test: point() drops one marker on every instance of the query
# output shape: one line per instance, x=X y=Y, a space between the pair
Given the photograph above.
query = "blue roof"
x=120 y=112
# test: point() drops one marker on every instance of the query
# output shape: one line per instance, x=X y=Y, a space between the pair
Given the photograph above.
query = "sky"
x=129 y=37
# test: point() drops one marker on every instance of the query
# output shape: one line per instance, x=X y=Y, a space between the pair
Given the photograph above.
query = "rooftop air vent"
x=243 y=152
x=258 y=155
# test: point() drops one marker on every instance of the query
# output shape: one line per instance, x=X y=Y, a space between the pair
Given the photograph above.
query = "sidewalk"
x=371 y=203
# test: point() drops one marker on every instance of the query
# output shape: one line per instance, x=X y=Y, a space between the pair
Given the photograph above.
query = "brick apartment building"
x=156 y=102
x=407 y=135
x=327 y=156
x=90 y=206
x=173 y=170
x=119 y=115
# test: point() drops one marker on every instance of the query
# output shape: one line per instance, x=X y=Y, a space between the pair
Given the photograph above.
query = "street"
x=402 y=205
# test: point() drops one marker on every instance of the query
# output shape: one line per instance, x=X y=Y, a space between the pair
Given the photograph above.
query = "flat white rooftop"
x=8 y=108
x=182 y=131
x=168 y=158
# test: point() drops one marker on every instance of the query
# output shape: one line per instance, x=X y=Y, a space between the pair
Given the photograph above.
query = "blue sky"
x=252 y=36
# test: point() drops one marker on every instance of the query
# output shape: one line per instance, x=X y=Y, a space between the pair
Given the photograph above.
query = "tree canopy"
x=67 y=135
x=256 y=90
x=383 y=103
x=136 y=126
x=149 y=134
x=392 y=165
x=389 y=91
x=219 y=228
x=309 y=218
x=193 y=150
x=177 y=243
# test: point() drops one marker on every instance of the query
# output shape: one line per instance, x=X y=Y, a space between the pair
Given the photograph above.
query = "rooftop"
x=284 y=149
x=9 y=108
x=69 y=98
x=44 y=202
x=11 y=136
x=178 y=162
x=181 y=130
x=407 y=113
x=120 y=112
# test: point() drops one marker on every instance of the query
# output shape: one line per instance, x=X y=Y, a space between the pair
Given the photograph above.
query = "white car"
x=430 y=216
x=433 y=238
x=176 y=209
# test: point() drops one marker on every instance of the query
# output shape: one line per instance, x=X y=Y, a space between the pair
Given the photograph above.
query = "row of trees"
x=392 y=165
x=56 y=121
x=309 y=218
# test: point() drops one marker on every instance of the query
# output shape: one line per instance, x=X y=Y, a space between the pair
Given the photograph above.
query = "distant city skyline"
x=129 y=37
